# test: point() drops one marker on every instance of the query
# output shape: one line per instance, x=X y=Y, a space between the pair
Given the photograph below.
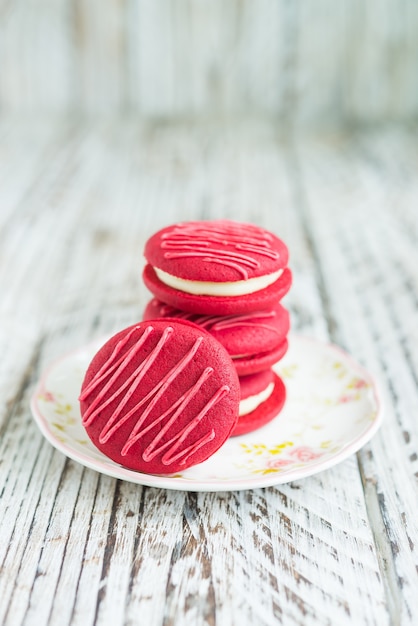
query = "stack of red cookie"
x=228 y=278
x=164 y=394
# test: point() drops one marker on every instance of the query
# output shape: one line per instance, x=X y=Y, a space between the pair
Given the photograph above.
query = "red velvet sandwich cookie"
x=255 y=341
x=217 y=267
x=262 y=398
x=160 y=396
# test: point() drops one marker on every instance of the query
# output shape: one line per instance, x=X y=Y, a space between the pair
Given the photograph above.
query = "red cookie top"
x=160 y=396
x=243 y=335
x=216 y=251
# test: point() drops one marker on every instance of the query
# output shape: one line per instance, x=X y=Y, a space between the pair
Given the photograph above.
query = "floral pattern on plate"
x=332 y=410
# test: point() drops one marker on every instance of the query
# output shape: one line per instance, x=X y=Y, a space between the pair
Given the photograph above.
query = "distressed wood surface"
x=77 y=203
x=307 y=63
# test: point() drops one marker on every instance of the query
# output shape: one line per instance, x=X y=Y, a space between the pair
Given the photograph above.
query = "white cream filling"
x=252 y=402
x=203 y=288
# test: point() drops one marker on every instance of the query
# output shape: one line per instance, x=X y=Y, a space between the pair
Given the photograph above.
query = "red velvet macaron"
x=255 y=341
x=217 y=267
x=262 y=398
x=160 y=396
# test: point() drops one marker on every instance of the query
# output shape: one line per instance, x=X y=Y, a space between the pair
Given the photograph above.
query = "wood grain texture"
x=80 y=548
x=371 y=303
x=322 y=63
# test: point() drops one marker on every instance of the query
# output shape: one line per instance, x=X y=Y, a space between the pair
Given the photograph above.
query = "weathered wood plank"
x=97 y=54
x=308 y=64
x=80 y=548
x=36 y=57
x=350 y=208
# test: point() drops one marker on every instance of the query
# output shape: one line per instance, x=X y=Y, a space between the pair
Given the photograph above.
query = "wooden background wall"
x=307 y=62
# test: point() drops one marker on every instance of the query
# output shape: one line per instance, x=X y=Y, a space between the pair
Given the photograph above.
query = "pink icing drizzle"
x=97 y=405
x=108 y=365
x=156 y=391
x=195 y=239
x=114 y=367
x=223 y=322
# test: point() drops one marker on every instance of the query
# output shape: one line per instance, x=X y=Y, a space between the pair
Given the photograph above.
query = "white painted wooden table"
x=76 y=547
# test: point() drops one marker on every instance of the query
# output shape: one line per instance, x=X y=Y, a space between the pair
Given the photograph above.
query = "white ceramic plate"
x=332 y=410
